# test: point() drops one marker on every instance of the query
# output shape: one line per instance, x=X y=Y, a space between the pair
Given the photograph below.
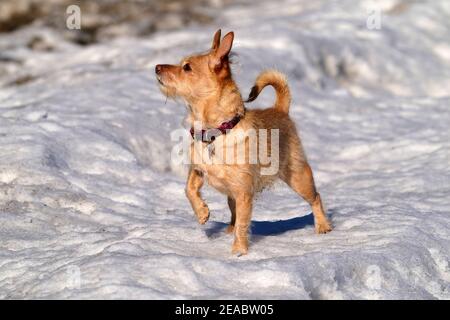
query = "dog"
x=204 y=81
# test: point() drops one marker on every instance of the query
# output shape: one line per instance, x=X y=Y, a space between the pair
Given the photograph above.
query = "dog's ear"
x=223 y=50
x=225 y=46
x=216 y=40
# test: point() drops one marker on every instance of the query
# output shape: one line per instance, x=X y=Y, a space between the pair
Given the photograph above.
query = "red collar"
x=209 y=135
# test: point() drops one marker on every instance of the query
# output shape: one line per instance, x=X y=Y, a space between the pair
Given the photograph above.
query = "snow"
x=91 y=205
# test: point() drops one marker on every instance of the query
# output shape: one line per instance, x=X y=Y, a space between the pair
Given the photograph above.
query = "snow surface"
x=92 y=207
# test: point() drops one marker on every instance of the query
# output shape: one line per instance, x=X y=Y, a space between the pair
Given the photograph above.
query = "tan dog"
x=204 y=81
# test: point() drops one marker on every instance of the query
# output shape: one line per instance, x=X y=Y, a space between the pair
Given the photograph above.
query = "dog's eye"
x=187 y=67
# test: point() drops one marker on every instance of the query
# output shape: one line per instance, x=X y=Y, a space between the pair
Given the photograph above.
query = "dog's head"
x=198 y=76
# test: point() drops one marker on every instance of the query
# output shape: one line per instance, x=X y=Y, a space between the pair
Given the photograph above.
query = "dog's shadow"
x=265 y=228
x=261 y=229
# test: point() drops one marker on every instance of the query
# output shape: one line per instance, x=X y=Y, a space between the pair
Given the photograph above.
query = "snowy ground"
x=91 y=206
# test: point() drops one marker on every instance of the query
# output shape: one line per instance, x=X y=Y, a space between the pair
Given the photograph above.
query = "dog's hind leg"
x=193 y=186
x=300 y=179
x=232 y=206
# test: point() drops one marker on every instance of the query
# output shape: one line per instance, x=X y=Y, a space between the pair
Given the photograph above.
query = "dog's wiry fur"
x=205 y=82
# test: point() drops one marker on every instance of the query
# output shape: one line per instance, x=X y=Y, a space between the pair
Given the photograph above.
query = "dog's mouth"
x=167 y=90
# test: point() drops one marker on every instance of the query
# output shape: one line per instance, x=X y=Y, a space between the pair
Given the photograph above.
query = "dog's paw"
x=323 y=227
x=203 y=215
x=239 y=249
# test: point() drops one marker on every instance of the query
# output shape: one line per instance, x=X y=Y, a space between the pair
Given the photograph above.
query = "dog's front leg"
x=193 y=186
x=244 y=205
x=232 y=206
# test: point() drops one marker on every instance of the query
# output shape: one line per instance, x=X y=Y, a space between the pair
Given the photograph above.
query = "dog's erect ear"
x=216 y=40
x=225 y=46
x=222 y=51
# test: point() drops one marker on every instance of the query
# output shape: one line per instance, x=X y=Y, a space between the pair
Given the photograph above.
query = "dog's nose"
x=158 y=69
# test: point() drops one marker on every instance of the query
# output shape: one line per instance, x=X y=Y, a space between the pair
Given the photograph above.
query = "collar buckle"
x=209 y=135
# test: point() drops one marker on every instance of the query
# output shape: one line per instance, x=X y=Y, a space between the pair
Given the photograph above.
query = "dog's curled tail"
x=277 y=80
